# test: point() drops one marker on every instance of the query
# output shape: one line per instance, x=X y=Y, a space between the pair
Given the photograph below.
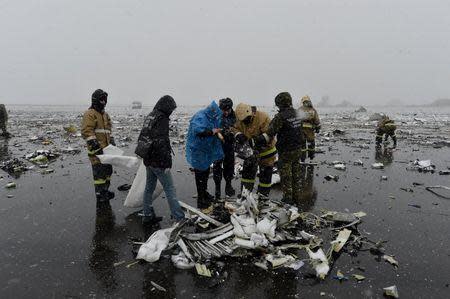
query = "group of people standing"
x=214 y=134
x=213 y=137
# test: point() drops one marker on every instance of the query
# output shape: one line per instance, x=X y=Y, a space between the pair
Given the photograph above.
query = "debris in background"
x=332 y=177
x=320 y=262
x=391 y=291
x=415 y=206
x=341 y=240
x=358 y=163
x=157 y=286
x=340 y=166
x=422 y=166
x=202 y=270
x=431 y=189
x=358 y=277
x=377 y=165
x=340 y=276
x=71 y=129
x=390 y=260
x=361 y=109
x=10 y=185
x=158 y=241
x=124 y=187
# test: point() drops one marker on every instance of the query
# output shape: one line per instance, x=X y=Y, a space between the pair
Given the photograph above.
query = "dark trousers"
x=102 y=177
x=386 y=133
x=249 y=170
x=201 y=182
x=224 y=168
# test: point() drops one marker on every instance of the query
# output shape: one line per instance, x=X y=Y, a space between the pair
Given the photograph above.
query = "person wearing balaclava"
x=96 y=130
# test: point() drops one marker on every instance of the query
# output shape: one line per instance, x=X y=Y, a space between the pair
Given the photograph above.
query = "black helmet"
x=97 y=96
x=226 y=104
x=283 y=100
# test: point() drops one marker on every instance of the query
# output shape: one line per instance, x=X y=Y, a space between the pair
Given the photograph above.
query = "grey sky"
x=58 y=52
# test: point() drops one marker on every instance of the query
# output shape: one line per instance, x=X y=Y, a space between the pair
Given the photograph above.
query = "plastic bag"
x=151 y=250
x=112 y=150
x=119 y=161
x=135 y=197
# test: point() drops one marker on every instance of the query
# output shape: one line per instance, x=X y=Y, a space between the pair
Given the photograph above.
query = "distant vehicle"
x=136 y=105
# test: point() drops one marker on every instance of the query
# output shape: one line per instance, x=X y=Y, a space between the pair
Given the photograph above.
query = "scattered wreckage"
x=271 y=233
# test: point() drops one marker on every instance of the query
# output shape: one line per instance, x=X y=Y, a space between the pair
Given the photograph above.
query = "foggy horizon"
x=367 y=53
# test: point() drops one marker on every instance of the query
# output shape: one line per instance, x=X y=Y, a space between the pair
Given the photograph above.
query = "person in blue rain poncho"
x=203 y=147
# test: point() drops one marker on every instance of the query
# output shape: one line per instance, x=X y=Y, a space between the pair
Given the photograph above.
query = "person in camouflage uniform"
x=311 y=126
x=386 y=127
x=3 y=121
x=287 y=127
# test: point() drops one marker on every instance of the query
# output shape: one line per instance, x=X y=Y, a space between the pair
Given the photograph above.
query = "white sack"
x=135 y=197
x=119 y=161
x=112 y=150
x=151 y=250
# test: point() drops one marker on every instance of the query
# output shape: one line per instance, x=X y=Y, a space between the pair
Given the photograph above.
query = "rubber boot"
x=378 y=141
x=229 y=190
x=151 y=219
x=102 y=197
x=110 y=194
x=394 y=139
x=312 y=150
x=218 y=193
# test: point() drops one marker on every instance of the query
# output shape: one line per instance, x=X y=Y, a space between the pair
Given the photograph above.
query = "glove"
x=112 y=141
x=228 y=135
x=94 y=147
x=317 y=129
x=258 y=141
x=206 y=133
x=241 y=138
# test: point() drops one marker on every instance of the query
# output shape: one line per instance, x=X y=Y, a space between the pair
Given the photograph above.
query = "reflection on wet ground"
x=57 y=243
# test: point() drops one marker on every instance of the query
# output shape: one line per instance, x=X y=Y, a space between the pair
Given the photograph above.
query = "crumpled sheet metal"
x=181 y=261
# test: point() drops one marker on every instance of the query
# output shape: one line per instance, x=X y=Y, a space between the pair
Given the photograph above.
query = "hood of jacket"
x=166 y=105
x=213 y=111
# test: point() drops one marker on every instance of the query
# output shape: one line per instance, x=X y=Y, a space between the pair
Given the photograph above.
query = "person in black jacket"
x=225 y=167
x=154 y=147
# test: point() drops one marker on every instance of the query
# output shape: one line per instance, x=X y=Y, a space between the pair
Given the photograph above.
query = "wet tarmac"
x=56 y=244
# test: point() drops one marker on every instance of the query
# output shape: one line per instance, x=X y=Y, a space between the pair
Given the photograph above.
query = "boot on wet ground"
x=229 y=190
x=150 y=220
x=104 y=196
x=218 y=193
